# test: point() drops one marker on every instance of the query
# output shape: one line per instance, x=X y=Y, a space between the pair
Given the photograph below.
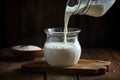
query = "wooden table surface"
x=10 y=67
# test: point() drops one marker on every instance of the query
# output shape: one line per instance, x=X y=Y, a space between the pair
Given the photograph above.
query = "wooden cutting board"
x=83 y=67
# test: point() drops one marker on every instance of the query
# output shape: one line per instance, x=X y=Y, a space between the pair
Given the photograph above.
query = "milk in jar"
x=58 y=53
x=62 y=47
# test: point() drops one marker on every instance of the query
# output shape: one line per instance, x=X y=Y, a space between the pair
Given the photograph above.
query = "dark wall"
x=23 y=22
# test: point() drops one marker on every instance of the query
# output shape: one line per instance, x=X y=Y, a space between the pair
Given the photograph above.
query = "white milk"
x=60 y=54
x=64 y=53
x=68 y=12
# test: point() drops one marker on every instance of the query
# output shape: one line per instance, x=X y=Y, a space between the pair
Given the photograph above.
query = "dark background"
x=23 y=22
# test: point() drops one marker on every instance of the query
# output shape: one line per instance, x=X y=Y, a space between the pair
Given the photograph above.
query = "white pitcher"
x=95 y=8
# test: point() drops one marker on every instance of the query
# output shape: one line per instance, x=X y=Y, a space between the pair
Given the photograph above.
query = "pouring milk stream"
x=95 y=8
x=67 y=53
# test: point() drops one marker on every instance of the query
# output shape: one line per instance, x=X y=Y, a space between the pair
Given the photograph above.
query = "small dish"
x=27 y=52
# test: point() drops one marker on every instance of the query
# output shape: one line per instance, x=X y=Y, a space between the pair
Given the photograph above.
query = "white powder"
x=60 y=54
x=27 y=48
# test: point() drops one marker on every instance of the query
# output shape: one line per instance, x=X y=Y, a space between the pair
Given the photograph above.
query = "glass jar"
x=58 y=53
x=95 y=8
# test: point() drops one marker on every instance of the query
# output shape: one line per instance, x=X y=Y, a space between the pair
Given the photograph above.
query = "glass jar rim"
x=61 y=30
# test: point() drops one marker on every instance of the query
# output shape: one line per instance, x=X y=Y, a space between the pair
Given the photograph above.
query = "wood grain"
x=58 y=76
x=83 y=67
x=10 y=70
